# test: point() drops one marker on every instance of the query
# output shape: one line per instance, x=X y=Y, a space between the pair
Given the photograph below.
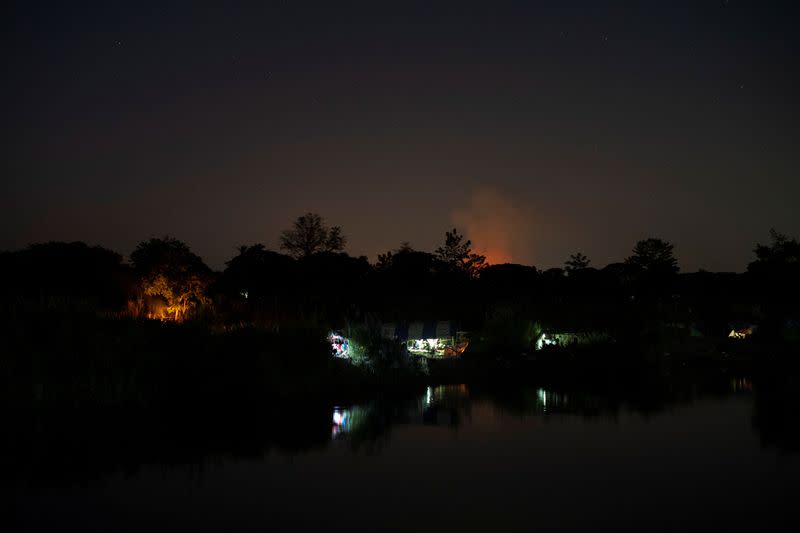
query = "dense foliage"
x=75 y=318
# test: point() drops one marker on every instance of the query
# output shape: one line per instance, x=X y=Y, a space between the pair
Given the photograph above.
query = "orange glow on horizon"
x=493 y=256
x=497 y=226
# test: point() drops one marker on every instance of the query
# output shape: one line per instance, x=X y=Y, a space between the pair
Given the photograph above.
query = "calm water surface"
x=450 y=458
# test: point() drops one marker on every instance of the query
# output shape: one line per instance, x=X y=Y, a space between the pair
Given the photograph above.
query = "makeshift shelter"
x=741 y=331
x=430 y=339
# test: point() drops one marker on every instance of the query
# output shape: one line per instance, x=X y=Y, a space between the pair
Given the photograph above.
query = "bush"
x=504 y=334
x=370 y=348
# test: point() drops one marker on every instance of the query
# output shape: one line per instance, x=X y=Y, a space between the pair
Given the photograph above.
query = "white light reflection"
x=340 y=422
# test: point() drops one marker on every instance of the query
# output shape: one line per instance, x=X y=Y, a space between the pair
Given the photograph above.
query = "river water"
x=447 y=458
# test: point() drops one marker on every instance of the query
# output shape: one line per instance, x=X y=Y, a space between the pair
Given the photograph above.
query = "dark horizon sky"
x=539 y=128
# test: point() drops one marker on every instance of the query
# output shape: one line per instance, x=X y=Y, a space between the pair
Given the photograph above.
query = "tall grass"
x=82 y=359
x=504 y=334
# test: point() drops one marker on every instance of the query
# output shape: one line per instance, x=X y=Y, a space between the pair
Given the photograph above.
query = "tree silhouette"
x=168 y=269
x=654 y=256
x=386 y=260
x=457 y=252
x=577 y=261
x=63 y=275
x=256 y=272
x=776 y=272
x=310 y=235
x=781 y=252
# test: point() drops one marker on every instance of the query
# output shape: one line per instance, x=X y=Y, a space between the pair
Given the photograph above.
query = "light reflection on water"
x=450 y=405
x=497 y=454
x=453 y=404
x=340 y=419
x=741 y=384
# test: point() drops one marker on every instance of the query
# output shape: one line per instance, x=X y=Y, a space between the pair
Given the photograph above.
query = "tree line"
x=313 y=280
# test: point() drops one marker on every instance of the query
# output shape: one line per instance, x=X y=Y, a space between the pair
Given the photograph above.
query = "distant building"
x=429 y=339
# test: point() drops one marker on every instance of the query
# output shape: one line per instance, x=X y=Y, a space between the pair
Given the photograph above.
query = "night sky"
x=539 y=128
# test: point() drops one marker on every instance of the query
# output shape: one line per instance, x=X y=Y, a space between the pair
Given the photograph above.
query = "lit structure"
x=742 y=332
x=430 y=339
x=340 y=346
x=564 y=339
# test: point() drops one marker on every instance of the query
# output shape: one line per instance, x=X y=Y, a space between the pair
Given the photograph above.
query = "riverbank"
x=77 y=361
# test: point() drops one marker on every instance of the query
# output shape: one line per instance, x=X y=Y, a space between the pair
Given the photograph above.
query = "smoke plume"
x=499 y=227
